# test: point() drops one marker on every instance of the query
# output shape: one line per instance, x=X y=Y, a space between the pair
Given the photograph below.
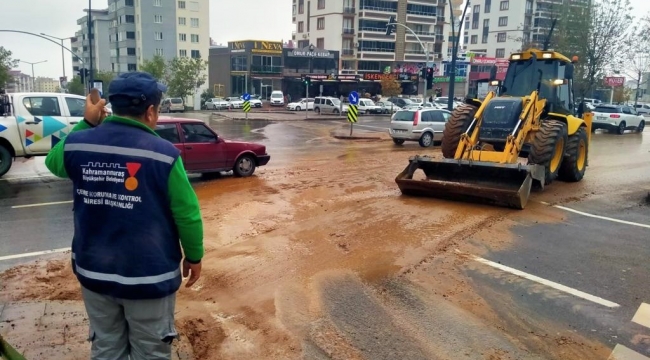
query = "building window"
x=501 y=53
x=182 y=37
x=181 y=4
x=157 y=19
x=320 y=23
x=182 y=53
x=130 y=51
x=486 y=23
x=475 y=24
x=182 y=21
x=128 y=2
x=194 y=6
x=130 y=35
x=505 y=5
x=477 y=9
x=159 y=52
x=301 y=6
x=474 y=39
x=501 y=37
x=132 y=67
x=195 y=54
x=320 y=43
x=129 y=19
x=484 y=39
x=503 y=21
x=487 y=7
x=321 y=4
x=195 y=38
x=157 y=2
x=158 y=35
x=194 y=22
x=301 y=26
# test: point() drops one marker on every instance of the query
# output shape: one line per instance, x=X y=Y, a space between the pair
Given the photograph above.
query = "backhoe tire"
x=548 y=148
x=461 y=118
x=576 y=153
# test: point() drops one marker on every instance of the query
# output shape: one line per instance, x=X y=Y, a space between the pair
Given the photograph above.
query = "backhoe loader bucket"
x=477 y=181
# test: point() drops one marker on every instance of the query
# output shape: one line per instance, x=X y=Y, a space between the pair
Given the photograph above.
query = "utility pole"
x=90 y=45
x=33 y=77
x=454 y=53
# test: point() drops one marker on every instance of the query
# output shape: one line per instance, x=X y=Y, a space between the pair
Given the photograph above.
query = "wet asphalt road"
x=602 y=257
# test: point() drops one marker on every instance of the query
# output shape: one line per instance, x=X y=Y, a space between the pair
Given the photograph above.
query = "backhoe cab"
x=523 y=134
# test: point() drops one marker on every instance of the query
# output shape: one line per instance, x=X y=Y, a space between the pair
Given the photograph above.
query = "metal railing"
x=377 y=49
x=374 y=29
x=375 y=8
x=348 y=31
x=348 y=52
x=349 y=10
x=267 y=69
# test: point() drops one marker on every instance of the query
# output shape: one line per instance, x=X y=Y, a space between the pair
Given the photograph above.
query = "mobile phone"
x=94 y=95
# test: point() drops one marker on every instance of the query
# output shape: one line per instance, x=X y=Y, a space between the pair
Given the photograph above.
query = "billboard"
x=614 y=81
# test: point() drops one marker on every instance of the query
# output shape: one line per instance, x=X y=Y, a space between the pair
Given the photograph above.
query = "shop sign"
x=306 y=53
x=256 y=46
x=441 y=79
x=392 y=76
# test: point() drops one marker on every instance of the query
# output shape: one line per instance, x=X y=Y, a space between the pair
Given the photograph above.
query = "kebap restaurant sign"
x=315 y=53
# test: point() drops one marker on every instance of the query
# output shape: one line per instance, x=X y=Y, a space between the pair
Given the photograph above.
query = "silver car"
x=422 y=125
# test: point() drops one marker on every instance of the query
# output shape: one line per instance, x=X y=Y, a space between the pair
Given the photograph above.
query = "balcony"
x=266 y=69
x=347 y=52
x=349 y=10
x=378 y=8
x=373 y=29
x=348 y=31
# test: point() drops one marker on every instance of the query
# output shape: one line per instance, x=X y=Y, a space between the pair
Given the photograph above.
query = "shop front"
x=320 y=65
x=370 y=82
x=479 y=75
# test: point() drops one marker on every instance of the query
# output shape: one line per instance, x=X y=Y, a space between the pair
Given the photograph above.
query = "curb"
x=347 y=137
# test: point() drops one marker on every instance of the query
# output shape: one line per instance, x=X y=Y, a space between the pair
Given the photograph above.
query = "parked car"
x=387 y=107
x=234 y=102
x=204 y=151
x=329 y=104
x=216 y=104
x=255 y=102
x=170 y=105
x=302 y=104
x=422 y=125
x=643 y=109
x=401 y=102
x=367 y=106
x=617 y=118
x=277 y=98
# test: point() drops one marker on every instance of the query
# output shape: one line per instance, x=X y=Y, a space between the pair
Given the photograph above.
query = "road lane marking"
x=42 y=204
x=549 y=283
x=36 y=253
x=642 y=316
x=599 y=216
x=623 y=353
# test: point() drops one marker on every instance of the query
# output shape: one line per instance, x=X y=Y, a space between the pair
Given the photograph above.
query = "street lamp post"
x=33 y=78
x=454 y=54
x=62 y=48
x=390 y=29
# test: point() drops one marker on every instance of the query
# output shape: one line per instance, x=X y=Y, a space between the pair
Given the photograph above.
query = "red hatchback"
x=203 y=151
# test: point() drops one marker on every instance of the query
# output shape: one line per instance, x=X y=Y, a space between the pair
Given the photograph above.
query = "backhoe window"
x=522 y=78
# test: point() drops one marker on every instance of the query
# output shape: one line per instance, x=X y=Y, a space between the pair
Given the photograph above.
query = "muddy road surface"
x=319 y=256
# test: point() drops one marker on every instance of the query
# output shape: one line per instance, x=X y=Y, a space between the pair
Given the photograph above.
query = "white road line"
x=36 y=253
x=642 y=316
x=42 y=204
x=599 y=217
x=549 y=283
x=623 y=353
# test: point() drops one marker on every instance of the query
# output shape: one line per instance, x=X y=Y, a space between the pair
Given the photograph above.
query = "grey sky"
x=229 y=20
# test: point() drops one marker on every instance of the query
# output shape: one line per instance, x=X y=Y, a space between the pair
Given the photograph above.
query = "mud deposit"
x=325 y=259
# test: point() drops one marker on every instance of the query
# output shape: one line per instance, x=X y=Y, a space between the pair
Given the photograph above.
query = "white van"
x=277 y=98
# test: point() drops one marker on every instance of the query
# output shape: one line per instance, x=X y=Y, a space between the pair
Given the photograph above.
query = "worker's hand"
x=193 y=270
x=95 y=111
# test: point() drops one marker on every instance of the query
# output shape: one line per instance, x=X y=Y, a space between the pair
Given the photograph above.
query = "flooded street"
x=319 y=256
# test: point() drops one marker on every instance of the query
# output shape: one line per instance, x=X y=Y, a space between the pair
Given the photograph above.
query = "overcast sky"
x=229 y=20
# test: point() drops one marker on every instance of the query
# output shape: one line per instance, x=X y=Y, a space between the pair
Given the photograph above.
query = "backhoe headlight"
x=547 y=55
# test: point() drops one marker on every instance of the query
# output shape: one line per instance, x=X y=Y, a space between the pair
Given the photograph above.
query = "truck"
x=32 y=123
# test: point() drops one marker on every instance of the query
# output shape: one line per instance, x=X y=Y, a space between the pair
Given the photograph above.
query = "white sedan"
x=301 y=105
x=387 y=106
x=235 y=102
x=617 y=118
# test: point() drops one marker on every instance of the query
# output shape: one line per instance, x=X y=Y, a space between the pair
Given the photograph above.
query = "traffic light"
x=423 y=72
x=429 y=78
x=390 y=27
x=307 y=81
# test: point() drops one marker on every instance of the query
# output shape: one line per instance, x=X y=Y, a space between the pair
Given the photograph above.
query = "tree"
x=156 y=67
x=622 y=94
x=184 y=75
x=75 y=86
x=6 y=63
x=390 y=87
x=637 y=61
x=206 y=95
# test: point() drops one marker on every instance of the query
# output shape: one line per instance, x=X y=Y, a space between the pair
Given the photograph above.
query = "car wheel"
x=621 y=128
x=5 y=160
x=297 y=108
x=426 y=139
x=318 y=111
x=641 y=126
x=244 y=166
x=398 y=141
x=336 y=111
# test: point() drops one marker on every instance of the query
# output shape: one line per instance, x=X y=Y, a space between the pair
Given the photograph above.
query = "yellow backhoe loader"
x=497 y=149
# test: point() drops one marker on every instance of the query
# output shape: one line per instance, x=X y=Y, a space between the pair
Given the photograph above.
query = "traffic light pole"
x=454 y=53
x=426 y=49
x=307 y=101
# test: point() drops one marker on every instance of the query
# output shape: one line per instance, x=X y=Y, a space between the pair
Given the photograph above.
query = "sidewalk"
x=55 y=330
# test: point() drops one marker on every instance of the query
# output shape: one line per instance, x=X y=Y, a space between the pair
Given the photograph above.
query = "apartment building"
x=497 y=28
x=21 y=82
x=44 y=84
x=357 y=29
x=131 y=31
x=99 y=29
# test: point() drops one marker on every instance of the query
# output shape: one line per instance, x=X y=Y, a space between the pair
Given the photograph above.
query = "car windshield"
x=275 y=96
x=606 y=109
x=177 y=101
x=336 y=102
x=408 y=101
x=404 y=116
